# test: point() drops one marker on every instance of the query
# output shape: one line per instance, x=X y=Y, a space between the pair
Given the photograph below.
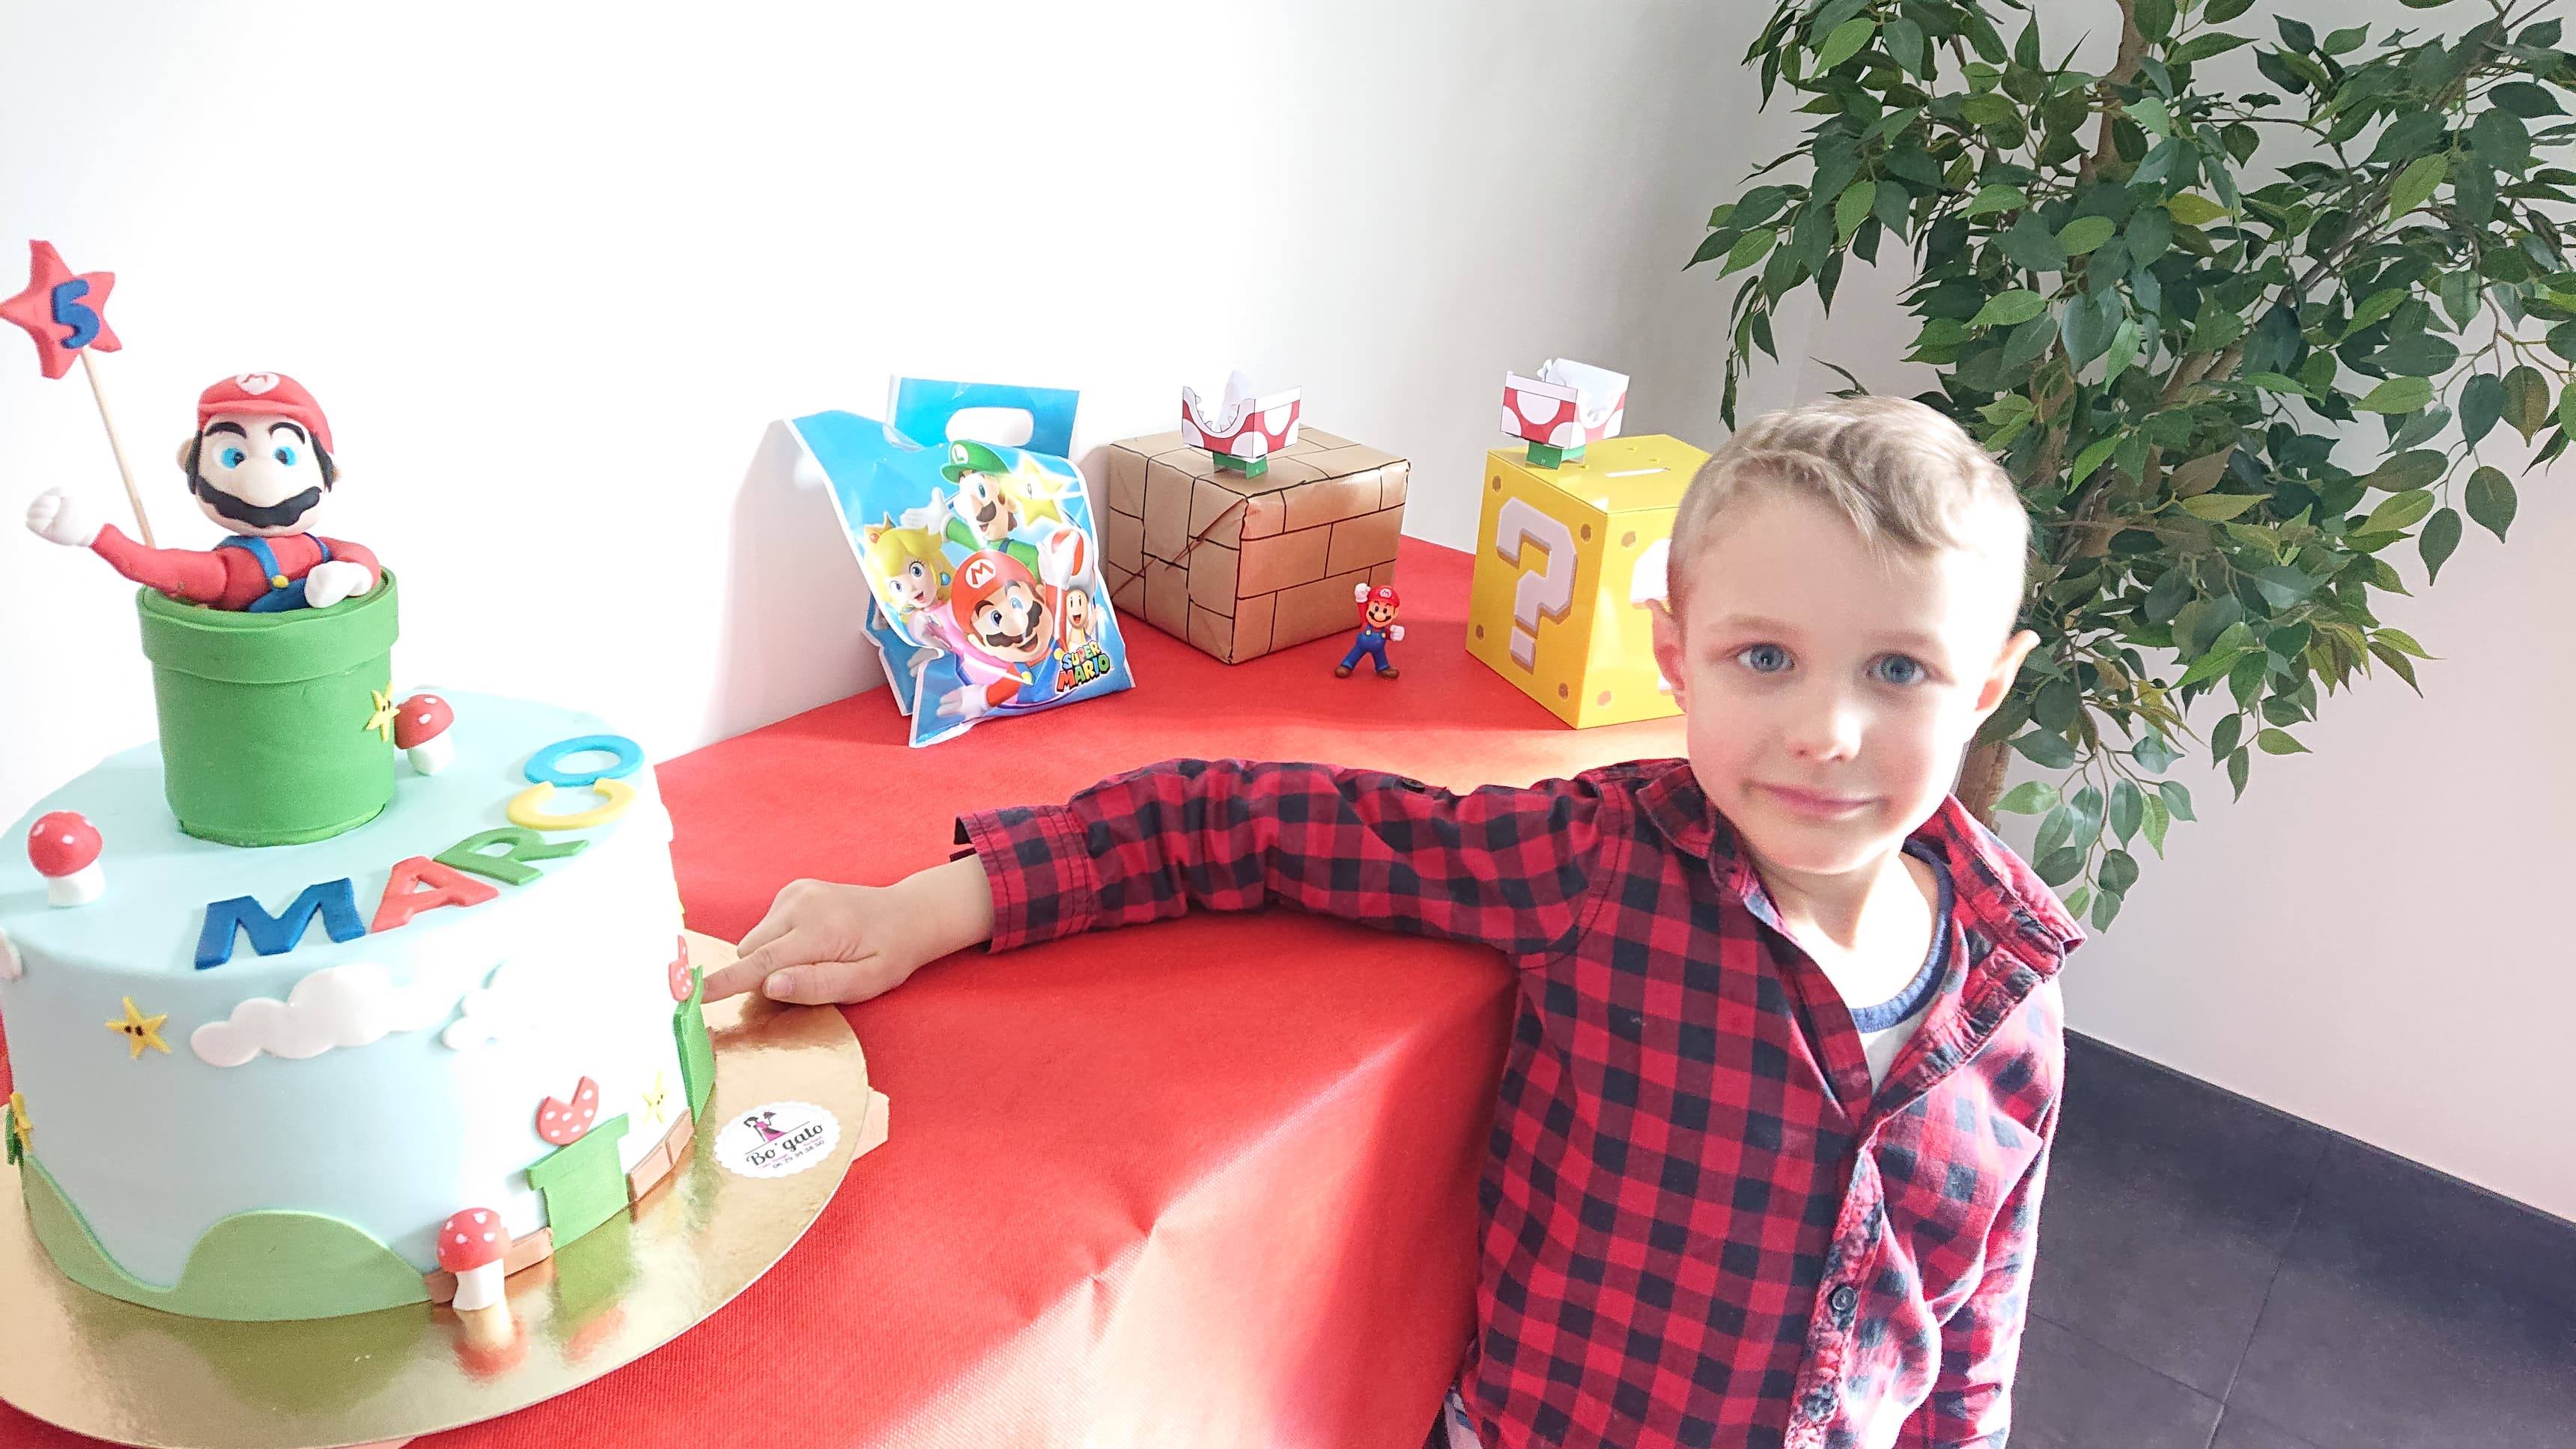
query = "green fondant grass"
x=251 y=1267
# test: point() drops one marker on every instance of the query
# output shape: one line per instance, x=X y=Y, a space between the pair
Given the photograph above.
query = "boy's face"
x=1828 y=695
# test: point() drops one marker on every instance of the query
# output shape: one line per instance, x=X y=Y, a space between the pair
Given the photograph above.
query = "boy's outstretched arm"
x=1971 y=1402
x=1512 y=868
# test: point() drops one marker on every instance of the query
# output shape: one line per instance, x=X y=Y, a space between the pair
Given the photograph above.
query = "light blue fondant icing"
x=390 y=1137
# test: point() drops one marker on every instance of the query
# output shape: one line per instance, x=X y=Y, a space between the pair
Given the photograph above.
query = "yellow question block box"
x=1567 y=559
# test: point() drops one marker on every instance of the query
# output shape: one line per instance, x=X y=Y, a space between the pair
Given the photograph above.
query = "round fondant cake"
x=377 y=1068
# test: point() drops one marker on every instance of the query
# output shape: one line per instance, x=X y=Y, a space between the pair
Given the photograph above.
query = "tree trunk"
x=1981 y=779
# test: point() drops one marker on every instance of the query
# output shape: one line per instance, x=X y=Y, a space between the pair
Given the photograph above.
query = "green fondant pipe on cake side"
x=275 y=728
x=257 y=1267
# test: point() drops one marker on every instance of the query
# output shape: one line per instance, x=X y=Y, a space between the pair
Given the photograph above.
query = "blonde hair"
x=894 y=549
x=1906 y=477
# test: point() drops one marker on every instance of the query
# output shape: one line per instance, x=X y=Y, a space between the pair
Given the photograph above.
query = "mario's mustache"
x=274 y=515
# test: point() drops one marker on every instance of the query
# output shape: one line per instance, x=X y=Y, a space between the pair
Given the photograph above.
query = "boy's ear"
x=2007 y=669
x=1668 y=648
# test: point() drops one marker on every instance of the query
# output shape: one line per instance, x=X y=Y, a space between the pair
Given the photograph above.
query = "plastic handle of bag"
x=924 y=408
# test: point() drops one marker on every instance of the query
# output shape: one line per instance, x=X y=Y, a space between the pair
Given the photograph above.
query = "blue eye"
x=1905 y=670
x=286 y=456
x=1763 y=658
x=232 y=457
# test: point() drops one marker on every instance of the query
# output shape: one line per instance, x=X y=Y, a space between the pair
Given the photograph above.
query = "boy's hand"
x=822 y=942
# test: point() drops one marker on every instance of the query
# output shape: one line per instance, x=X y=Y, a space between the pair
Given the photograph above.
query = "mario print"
x=259 y=464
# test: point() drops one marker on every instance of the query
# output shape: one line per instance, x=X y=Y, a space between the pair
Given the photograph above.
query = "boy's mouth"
x=1812 y=805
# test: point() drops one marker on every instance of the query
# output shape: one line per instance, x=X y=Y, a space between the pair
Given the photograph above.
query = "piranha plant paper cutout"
x=982 y=557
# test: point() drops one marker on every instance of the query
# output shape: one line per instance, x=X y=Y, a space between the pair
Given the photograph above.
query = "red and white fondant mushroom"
x=471 y=1245
x=564 y=1124
x=421 y=725
x=683 y=982
x=64 y=848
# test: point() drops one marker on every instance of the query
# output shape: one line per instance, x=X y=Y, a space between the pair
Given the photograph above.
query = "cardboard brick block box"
x=1241 y=566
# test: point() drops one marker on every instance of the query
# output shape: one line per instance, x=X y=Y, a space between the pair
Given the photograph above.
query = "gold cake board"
x=133 y=1375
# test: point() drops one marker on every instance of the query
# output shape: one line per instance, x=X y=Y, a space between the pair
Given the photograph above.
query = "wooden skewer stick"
x=117 y=446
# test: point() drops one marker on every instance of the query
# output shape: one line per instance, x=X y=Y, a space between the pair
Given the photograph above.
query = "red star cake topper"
x=65 y=312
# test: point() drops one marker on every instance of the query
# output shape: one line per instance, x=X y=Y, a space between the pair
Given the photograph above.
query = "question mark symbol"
x=1546 y=594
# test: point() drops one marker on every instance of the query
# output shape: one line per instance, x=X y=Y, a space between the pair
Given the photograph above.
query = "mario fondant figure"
x=259 y=464
x=1378 y=607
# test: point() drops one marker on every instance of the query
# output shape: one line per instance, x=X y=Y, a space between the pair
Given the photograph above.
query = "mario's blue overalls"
x=1371 y=642
x=284 y=593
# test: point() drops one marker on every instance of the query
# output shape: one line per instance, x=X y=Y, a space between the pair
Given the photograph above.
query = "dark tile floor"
x=2215 y=1275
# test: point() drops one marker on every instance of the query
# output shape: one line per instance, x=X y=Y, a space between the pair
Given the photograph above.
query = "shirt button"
x=1844 y=1300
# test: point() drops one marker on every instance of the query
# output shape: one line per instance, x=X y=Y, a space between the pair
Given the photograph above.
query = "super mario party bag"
x=982 y=559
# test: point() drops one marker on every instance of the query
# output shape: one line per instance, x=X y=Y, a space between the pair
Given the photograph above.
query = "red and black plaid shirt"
x=1701 y=1225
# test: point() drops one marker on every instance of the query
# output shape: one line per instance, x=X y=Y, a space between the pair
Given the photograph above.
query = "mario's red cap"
x=270 y=393
x=1384 y=594
x=980 y=577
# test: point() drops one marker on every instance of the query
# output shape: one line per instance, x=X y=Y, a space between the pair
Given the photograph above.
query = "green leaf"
x=2151 y=116
x=2077 y=899
x=2481 y=403
x=2222 y=11
x=2054 y=831
x=2219 y=507
x=2153 y=754
x=2344 y=40
x=2567 y=411
x=2177 y=799
x=2128 y=809
x=2061 y=865
x=2397 y=395
x=2202 y=47
x=1905 y=42
x=2278 y=742
x=2193 y=209
x=2013 y=307
x=2415 y=185
x=2119 y=869
x=2375 y=306
x=2399 y=512
x=1844 y=43
x=2440 y=536
x=2030 y=797
x=2092 y=456
x=1852 y=207
x=2491 y=500
x=2412 y=469
x=2154 y=18
x=2044 y=749
x=2237 y=766
x=1997 y=197
x=2085 y=233
x=2029 y=244
x=2525 y=99
x=2158 y=819
x=2106 y=907
x=2296 y=34
x=2526 y=400
x=1748 y=249
x=2222 y=740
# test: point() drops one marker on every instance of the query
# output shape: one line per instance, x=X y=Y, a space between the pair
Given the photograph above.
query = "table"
x=1207 y=1183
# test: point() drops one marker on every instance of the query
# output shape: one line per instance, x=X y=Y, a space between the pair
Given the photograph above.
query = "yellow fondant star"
x=653 y=1100
x=141 y=1031
x=382 y=721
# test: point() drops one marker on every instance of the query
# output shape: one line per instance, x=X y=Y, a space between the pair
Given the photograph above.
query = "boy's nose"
x=1826 y=728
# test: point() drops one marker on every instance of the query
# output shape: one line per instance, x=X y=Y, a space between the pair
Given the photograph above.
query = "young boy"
x=1775 y=1119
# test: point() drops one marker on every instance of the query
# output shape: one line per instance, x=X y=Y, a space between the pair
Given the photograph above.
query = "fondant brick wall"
x=1241 y=566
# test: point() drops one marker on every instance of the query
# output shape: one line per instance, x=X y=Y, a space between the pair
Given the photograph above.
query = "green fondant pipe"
x=264 y=717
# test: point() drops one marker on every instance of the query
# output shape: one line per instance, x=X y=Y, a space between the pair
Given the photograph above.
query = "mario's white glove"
x=1064 y=558
x=58 y=518
x=964 y=703
x=1359 y=593
x=334 y=580
x=1395 y=634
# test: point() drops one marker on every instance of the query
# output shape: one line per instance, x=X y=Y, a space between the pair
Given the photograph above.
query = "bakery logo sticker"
x=778 y=1139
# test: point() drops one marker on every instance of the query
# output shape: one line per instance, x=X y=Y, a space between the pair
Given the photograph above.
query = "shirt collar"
x=1995 y=890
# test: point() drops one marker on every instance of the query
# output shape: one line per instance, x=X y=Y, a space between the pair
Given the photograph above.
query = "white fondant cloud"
x=11 y=968
x=338 y=1006
x=518 y=996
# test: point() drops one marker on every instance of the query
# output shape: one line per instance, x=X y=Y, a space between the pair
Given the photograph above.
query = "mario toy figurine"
x=1378 y=607
x=259 y=464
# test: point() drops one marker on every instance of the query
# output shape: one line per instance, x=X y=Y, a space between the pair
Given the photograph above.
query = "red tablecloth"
x=1202 y=1184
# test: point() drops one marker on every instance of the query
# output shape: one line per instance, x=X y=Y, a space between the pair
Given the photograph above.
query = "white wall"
x=553 y=272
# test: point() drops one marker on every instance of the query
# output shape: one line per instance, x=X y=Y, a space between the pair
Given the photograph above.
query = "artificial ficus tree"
x=2164 y=294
